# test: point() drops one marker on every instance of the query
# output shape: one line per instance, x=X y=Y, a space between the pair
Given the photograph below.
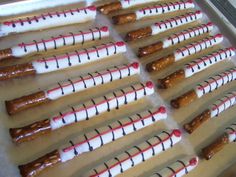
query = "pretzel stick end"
x=111 y=7
x=138 y=34
x=150 y=49
x=5 y=53
x=184 y=99
x=124 y=18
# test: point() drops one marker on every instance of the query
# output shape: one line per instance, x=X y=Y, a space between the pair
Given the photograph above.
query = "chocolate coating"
x=138 y=34
x=184 y=99
x=172 y=79
x=111 y=7
x=5 y=53
x=124 y=18
x=147 y=50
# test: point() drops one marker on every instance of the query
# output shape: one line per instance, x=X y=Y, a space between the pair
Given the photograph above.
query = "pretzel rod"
x=48 y=20
x=196 y=66
x=229 y=136
x=184 y=52
x=205 y=87
x=163 y=26
x=24 y=49
x=66 y=60
x=175 y=38
x=152 y=11
x=101 y=136
x=179 y=168
x=85 y=111
x=137 y=154
x=222 y=104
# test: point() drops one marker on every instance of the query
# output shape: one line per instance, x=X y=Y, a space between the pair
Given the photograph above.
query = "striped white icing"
x=48 y=20
x=78 y=57
x=91 y=80
x=137 y=154
x=205 y=62
x=23 y=49
x=115 y=130
x=99 y=105
x=179 y=168
x=175 y=22
x=130 y=3
x=231 y=132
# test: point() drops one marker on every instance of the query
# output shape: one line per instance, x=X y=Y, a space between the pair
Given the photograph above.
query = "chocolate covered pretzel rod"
x=179 y=168
x=59 y=62
x=48 y=20
x=81 y=37
x=205 y=87
x=175 y=38
x=85 y=111
x=222 y=104
x=196 y=66
x=152 y=11
x=97 y=138
x=229 y=136
x=163 y=26
x=71 y=86
x=184 y=52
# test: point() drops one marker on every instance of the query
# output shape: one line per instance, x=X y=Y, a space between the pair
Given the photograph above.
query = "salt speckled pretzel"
x=229 y=136
x=84 y=111
x=183 y=52
x=175 y=38
x=97 y=138
x=44 y=45
x=222 y=104
x=179 y=168
x=207 y=86
x=59 y=62
x=48 y=20
x=152 y=11
x=163 y=26
x=72 y=85
x=196 y=66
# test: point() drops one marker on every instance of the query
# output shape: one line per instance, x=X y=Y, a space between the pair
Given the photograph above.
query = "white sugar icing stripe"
x=179 y=168
x=163 y=8
x=130 y=3
x=78 y=57
x=137 y=154
x=205 y=62
x=231 y=132
x=215 y=82
x=196 y=47
x=23 y=49
x=48 y=20
x=223 y=104
x=99 y=105
x=91 y=80
x=175 y=22
x=106 y=134
x=187 y=34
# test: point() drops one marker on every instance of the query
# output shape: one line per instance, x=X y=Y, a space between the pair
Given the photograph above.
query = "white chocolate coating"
x=130 y=3
x=205 y=62
x=23 y=49
x=215 y=82
x=179 y=168
x=187 y=34
x=137 y=154
x=161 y=9
x=231 y=132
x=223 y=104
x=175 y=22
x=196 y=47
x=106 y=134
x=76 y=58
x=91 y=80
x=48 y=20
x=99 y=105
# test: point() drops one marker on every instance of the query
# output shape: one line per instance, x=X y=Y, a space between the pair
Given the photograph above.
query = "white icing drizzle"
x=231 y=132
x=81 y=37
x=130 y=3
x=48 y=20
x=196 y=47
x=163 y=8
x=187 y=34
x=223 y=104
x=80 y=57
x=91 y=80
x=215 y=82
x=179 y=168
x=99 y=105
x=137 y=154
x=106 y=134
x=205 y=62
x=175 y=22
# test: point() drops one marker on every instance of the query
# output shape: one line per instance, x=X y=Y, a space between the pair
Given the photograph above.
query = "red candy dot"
x=177 y=133
x=193 y=161
x=232 y=48
x=104 y=28
x=190 y=1
x=135 y=65
x=149 y=84
x=93 y=8
x=219 y=35
x=210 y=24
x=162 y=109
x=198 y=12
x=120 y=43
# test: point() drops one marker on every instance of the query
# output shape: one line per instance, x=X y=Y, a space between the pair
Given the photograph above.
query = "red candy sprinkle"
x=193 y=161
x=177 y=133
x=135 y=65
x=93 y=8
x=149 y=84
x=104 y=28
x=162 y=109
x=219 y=35
x=120 y=43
